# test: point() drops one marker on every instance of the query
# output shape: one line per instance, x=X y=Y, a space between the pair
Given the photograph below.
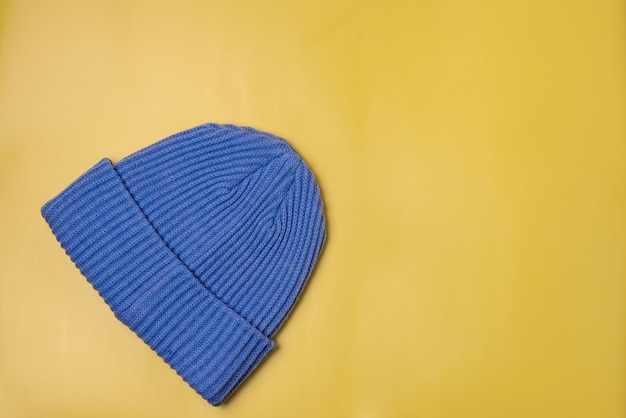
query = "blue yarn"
x=200 y=243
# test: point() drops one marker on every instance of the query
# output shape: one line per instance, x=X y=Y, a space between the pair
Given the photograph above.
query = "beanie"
x=200 y=243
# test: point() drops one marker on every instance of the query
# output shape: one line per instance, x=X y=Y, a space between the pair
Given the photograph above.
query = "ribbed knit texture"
x=200 y=243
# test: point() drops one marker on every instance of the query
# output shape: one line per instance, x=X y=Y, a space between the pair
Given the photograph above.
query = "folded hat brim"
x=149 y=289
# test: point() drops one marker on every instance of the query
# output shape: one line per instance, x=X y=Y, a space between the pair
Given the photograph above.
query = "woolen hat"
x=200 y=243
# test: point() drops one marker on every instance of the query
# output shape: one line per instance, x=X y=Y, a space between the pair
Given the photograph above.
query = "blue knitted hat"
x=200 y=243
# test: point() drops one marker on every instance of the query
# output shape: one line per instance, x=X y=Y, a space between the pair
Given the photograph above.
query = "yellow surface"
x=472 y=156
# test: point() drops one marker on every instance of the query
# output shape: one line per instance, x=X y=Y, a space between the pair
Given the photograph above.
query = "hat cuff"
x=149 y=289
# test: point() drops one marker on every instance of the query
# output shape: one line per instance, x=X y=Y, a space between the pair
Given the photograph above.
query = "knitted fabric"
x=200 y=243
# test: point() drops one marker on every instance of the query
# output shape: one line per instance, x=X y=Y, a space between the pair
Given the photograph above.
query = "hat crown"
x=239 y=208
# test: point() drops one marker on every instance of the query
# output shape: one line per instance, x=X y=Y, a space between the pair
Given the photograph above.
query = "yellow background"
x=472 y=160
